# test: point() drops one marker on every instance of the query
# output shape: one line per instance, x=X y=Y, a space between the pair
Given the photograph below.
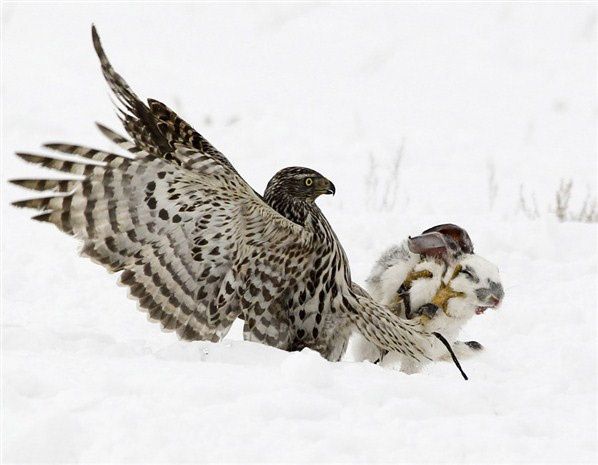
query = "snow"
x=469 y=91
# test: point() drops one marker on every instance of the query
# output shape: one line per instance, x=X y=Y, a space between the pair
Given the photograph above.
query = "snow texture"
x=420 y=114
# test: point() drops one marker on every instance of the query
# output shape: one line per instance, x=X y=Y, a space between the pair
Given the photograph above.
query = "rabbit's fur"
x=436 y=279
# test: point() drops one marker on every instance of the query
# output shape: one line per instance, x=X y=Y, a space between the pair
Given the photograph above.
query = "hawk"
x=198 y=247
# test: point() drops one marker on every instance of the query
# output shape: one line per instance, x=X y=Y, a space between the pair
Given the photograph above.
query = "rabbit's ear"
x=455 y=232
x=435 y=244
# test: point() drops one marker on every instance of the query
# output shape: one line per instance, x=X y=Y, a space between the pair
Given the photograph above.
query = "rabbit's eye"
x=467 y=273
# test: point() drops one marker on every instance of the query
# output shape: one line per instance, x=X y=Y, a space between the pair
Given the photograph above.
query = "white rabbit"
x=436 y=279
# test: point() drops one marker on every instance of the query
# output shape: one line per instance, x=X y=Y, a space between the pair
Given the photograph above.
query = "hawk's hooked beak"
x=324 y=186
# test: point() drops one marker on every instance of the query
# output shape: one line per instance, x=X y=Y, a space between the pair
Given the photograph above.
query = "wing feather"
x=174 y=216
x=179 y=236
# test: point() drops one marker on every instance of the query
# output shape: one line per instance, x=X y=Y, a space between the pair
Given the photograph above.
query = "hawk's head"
x=301 y=183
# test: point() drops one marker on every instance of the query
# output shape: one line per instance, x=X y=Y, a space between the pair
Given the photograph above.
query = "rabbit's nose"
x=497 y=290
x=494 y=301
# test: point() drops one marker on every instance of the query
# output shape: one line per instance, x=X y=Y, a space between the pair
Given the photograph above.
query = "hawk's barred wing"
x=185 y=240
x=156 y=129
x=195 y=243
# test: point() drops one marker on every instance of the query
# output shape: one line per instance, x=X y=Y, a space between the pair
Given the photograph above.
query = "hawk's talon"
x=428 y=310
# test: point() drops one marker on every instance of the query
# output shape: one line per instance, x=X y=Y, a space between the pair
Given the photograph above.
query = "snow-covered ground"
x=477 y=105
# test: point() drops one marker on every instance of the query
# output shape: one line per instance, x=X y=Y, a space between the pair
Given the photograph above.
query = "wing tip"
x=43 y=217
x=109 y=133
x=95 y=38
x=34 y=204
x=19 y=204
x=28 y=157
x=30 y=184
x=18 y=182
x=53 y=145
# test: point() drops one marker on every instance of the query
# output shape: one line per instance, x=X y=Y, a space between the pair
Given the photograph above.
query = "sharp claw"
x=428 y=310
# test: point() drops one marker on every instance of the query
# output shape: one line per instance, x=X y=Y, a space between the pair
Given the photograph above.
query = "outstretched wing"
x=156 y=129
x=195 y=243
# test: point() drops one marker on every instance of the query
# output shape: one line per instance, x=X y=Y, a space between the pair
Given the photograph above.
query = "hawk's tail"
x=387 y=331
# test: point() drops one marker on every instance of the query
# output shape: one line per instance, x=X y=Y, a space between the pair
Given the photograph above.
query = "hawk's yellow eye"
x=309 y=182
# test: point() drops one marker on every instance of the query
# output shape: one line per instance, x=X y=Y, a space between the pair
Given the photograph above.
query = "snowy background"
x=420 y=114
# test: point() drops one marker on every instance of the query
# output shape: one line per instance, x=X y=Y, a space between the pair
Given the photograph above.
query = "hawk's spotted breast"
x=198 y=247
